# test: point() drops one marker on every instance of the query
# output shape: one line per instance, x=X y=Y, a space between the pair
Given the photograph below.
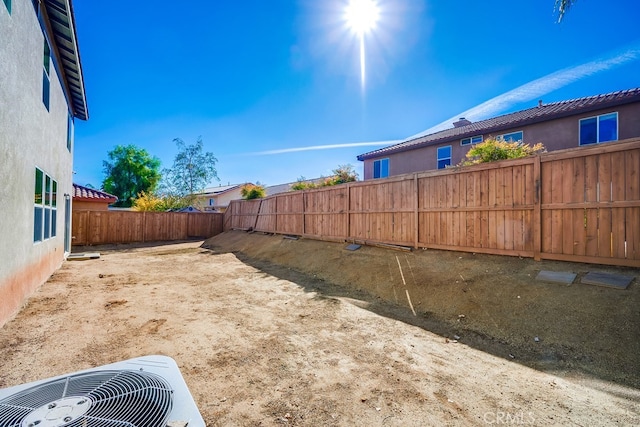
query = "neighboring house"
x=41 y=93
x=559 y=125
x=217 y=198
x=90 y=199
x=284 y=188
x=187 y=209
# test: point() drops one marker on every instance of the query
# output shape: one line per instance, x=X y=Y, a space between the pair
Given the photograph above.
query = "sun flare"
x=362 y=15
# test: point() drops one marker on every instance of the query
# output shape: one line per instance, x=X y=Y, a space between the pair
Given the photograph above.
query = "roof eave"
x=94 y=199
x=61 y=20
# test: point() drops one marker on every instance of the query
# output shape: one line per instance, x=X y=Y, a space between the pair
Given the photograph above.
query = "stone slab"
x=353 y=247
x=609 y=280
x=84 y=256
x=556 y=276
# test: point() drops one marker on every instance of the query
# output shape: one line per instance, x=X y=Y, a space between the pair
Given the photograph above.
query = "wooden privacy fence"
x=102 y=227
x=580 y=204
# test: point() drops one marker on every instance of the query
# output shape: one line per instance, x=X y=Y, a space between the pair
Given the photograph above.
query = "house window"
x=471 y=140
x=69 y=131
x=38 y=207
x=8 y=4
x=46 y=81
x=45 y=211
x=381 y=168
x=597 y=129
x=511 y=137
x=444 y=156
x=210 y=202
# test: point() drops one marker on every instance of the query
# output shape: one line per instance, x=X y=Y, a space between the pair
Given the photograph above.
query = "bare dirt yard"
x=271 y=331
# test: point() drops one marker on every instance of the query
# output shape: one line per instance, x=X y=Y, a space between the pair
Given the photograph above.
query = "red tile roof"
x=539 y=113
x=86 y=194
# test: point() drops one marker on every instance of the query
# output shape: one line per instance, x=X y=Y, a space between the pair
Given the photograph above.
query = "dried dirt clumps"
x=273 y=331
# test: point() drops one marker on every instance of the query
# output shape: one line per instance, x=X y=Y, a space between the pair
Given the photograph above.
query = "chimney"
x=461 y=122
x=540 y=103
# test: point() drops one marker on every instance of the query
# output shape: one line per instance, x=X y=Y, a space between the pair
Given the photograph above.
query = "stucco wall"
x=221 y=201
x=90 y=206
x=30 y=137
x=554 y=134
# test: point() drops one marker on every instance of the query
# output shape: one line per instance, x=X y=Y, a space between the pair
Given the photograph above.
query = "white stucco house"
x=41 y=94
x=216 y=199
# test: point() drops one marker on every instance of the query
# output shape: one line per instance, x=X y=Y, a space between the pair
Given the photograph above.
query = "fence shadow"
x=478 y=310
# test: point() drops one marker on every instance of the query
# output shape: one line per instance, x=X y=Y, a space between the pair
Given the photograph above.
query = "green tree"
x=192 y=169
x=562 y=7
x=252 y=191
x=129 y=171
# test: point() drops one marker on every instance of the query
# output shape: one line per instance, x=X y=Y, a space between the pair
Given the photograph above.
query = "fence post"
x=276 y=226
x=537 y=208
x=348 y=211
x=416 y=214
x=255 y=224
x=304 y=213
x=89 y=227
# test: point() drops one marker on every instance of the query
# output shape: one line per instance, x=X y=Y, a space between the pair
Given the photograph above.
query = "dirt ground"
x=273 y=331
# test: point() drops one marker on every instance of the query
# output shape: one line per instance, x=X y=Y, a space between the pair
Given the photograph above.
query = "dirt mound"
x=493 y=303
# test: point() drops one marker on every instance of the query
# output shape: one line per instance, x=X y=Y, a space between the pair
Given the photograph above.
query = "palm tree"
x=562 y=6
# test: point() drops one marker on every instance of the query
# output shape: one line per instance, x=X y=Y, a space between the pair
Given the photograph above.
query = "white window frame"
x=381 y=162
x=46 y=74
x=438 y=158
x=48 y=207
x=502 y=137
x=70 y=132
x=472 y=140
x=598 y=117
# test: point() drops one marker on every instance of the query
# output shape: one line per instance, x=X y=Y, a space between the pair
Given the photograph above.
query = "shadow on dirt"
x=491 y=303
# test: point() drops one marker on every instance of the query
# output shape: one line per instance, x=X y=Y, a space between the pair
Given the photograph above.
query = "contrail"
x=539 y=87
x=325 y=147
x=500 y=103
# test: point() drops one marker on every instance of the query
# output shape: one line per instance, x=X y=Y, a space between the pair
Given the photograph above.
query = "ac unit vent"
x=104 y=397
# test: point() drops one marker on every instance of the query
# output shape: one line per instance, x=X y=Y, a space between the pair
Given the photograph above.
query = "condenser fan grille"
x=98 y=398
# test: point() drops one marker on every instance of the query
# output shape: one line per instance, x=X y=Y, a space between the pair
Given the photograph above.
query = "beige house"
x=216 y=199
x=565 y=124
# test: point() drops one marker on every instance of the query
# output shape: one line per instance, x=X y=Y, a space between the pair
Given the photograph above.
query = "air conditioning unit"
x=142 y=392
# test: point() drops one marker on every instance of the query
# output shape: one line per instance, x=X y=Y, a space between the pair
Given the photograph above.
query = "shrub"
x=492 y=150
x=302 y=185
x=341 y=175
x=252 y=191
x=153 y=202
x=148 y=202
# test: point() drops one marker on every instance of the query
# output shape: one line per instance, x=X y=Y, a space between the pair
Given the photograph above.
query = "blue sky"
x=259 y=81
